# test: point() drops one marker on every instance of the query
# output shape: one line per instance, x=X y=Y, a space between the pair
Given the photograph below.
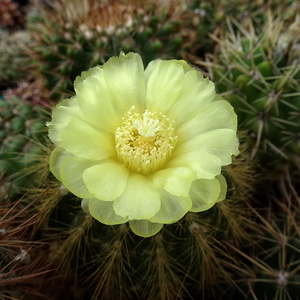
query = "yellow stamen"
x=145 y=141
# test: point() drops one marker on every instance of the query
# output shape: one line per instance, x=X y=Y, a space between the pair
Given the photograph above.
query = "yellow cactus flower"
x=143 y=145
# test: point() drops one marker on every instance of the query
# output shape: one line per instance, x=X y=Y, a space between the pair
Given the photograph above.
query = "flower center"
x=145 y=141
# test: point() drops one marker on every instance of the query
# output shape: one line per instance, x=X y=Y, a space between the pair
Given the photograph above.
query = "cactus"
x=65 y=43
x=22 y=132
x=211 y=16
x=289 y=43
x=257 y=71
x=197 y=257
x=258 y=78
x=22 y=265
x=29 y=91
x=271 y=269
x=183 y=261
x=10 y=15
x=11 y=55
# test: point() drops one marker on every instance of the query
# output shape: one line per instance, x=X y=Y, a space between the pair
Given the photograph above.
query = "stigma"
x=148 y=127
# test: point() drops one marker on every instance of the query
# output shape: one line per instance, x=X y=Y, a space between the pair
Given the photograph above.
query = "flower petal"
x=103 y=212
x=217 y=115
x=219 y=142
x=176 y=181
x=85 y=205
x=183 y=63
x=204 y=194
x=203 y=164
x=95 y=72
x=106 y=181
x=85 y=142
x=223 y=186
x=71 y=172
x=145 y=228
x=195 y=95
x=124 y=78
x=164 y=82
x=172 y=209
x=95 y=103
x=61 y=115
x=140 y=200
x=56 y=158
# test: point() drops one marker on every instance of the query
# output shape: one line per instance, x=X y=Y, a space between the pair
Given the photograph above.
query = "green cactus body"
x=12 y=52
x=271 y=270
x=183 y=261
x=63 y=46
x=211 y=17
x=10 y=14
x=264 y=90
x=22 y=130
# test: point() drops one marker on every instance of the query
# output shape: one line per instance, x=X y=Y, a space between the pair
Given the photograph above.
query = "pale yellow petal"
x=106 y=181
x=164 y=82
x=124 y=78
x=183 y=63
x=144 y=228
x=204 y=194
x=203 y=164
x=223 y=186
x=219 y=142
x=61 y=115
x=140 y=200
x=71 y=172
x=172 y=209
x=217 y=115
x=85 y=205
x=195 y=95
x=103 y=212
x=176 y=181
x=85 y=142
x=95 y=72
x=95 y=102
x=56 y=158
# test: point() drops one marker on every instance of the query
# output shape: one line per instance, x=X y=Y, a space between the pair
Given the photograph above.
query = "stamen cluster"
x=145 y=141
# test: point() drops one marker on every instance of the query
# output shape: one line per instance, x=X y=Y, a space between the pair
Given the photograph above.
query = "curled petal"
x=176 y=181
x=72 y=169
x=56 y=158
x=217 y=115
x=204 y=194
x=164 y=82
x=223 y=186
x=219 y=142
x=140 y=200
x=195 y=95
x=172 y=209
x=124 y=78
x=96 y=72
x=186 y=67
x=103 y=212
x=203 y=164
x=85 y=142
x=61 y=116
x=95 y=103
x=85 y=205
x=106 y=181
x=145 y=228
